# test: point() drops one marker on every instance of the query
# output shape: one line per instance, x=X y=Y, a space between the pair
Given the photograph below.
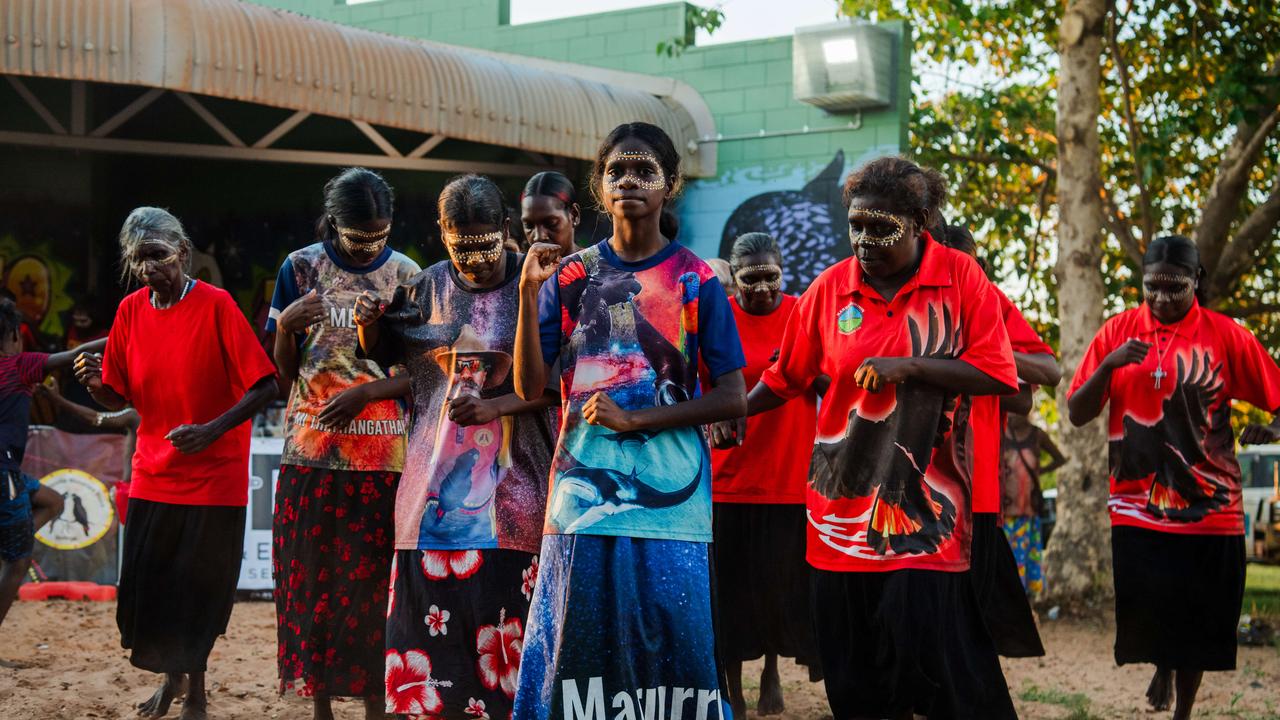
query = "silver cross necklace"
x=1160 y=374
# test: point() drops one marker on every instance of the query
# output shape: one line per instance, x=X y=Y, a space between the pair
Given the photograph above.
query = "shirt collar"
x=1148 y=325
x=934 y=270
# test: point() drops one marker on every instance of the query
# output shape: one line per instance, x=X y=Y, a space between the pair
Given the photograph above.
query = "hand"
x=876 y=372
x=88 y=367
x=49 y=391
x=302 y=313
x=471 y=410
x=603 y=411
x=191 y=439
x=342 y=408
x=1133 y=352
x=1260 y=435
x=369 y=308
x=540 y=264
x=728 y=433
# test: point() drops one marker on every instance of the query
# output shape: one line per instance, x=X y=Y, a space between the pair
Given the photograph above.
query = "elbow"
x=1077 y=415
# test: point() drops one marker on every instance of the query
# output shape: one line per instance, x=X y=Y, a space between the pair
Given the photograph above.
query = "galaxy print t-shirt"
x=328 y=365
x=635 y=331
x=465 y=487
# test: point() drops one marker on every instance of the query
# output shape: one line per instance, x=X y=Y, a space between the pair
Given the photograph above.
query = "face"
x=884 y=241
x=477 y=251
x=759 y=282
x=81 y=319
x=1169 y=291
x=547 y=219
x=158 y=265
x=634 y=185
x=362 y=243
x=11 y=343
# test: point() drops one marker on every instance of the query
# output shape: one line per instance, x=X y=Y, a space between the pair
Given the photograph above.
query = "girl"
x=549 y=210
x=901 y=328
x=1170 y=369
x=1020 y=500
x=344 y=442
x=468 y=514
x=762 y=583
x=622 y=613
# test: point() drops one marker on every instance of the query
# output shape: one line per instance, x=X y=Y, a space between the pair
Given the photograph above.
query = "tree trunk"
x=1078 y=559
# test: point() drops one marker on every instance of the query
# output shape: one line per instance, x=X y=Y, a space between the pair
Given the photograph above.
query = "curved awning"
x=241 y=51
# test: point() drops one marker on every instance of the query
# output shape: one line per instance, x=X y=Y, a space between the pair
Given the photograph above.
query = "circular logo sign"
x=850 y=319
x=87 y=513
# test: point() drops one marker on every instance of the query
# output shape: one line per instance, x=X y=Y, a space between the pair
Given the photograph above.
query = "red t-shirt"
x=772 y=464
x=1173 y=461
x=985 y=418
x=881 y=496
x=185 y=364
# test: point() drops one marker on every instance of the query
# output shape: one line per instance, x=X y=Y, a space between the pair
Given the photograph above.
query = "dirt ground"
x=73 y=667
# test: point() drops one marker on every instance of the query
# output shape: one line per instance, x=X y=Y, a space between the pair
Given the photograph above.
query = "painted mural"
x=38 y=281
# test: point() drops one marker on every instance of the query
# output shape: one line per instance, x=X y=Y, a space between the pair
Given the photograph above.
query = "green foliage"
x=695 y=19
x=1262 y=591
x=1178 y=78
x=1076 y=703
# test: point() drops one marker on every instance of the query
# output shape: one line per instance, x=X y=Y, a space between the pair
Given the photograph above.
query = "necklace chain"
x=191 y=282
x=1159 y=373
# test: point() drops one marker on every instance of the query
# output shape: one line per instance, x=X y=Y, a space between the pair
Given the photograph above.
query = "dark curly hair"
x=668 y=158
x=907 y=188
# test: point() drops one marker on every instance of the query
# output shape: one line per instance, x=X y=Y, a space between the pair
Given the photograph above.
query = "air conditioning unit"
x=844 y=66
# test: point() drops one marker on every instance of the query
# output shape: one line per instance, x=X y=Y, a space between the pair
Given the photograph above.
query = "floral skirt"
x=332 y=541
x=455 y=631
x=1024 y=537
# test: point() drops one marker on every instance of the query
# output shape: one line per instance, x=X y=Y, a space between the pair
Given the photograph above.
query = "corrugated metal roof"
x=247 y=52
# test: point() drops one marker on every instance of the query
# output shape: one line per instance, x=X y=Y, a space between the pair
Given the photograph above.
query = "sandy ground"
x=74 y=668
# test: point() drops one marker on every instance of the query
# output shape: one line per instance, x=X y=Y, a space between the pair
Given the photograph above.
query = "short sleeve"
x=1253 y=376
x=246 y=361
x=115 y=360
x=718 y=340
x=285 y=293
x=987 y=345
x=799 y=360
x=31 y=367
x=1101 y=346
x=549 y=319
x=1022 y=337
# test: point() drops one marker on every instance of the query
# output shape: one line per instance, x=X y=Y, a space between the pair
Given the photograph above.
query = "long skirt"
x=1001 y=598
x=906 y=640
x=1178 y=598
x=331 y=560
x=1026 y=541
x=762 y=584
x=455 y=631
x=178 y=581
x=620 y=627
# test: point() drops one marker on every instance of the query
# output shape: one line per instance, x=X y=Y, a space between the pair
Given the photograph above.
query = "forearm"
x=512 y=404
x=84 y=414
x=285 y=353
x=108 y=398
x=1019 y=404
x=1051 y=467
x=1038 y=369
x=62 y=360
x=1087 y=402
x=762 y=399
x=391 y=388
x=530 y=369
x=957 y=376
x=254 y=400
x=726 y=401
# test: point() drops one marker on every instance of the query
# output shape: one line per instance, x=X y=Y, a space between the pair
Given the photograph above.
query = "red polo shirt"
x=986 y=419
x=772 y=464
x=1173 y=462
x=881 y=496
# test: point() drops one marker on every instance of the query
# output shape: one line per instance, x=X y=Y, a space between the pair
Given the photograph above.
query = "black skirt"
x=762 y=584
x=907 y=640
x=1001 y=597
x=178 y=580
x=1178 y=598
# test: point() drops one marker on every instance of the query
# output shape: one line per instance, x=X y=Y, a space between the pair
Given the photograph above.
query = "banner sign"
x=264 y=467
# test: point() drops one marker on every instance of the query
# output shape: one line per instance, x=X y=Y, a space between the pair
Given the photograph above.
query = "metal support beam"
x=128 y=112
x=79 y=108
x=427 y=146
x=223 y=131
x=223 y=152
x=376 y=138
x=36 y=105
x=282 y=129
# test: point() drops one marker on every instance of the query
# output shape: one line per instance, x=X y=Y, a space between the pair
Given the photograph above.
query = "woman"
x=762 y=583
x=1020 y=500
x=183 y=355
x=549 y=211
x=1170 y=369
x=623 y=609
x=470 y=505
x=344 y=442
x=901 y=328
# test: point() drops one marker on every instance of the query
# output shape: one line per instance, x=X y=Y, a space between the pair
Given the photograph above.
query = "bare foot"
x=322 y=709
x=770 y=702
x=1160 y=692
x=157 y=705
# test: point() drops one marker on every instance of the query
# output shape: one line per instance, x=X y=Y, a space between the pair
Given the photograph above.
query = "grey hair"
x=151 y=224
x=753 y=243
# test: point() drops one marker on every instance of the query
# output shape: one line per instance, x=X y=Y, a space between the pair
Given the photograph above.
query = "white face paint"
x=650 y=178
x=473 y=250
x=875 y=228
x=1167 y=288
x=360 y=244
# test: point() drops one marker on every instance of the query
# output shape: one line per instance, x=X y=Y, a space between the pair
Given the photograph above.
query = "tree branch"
x=1239 y=253
x=1251 y=310
x=1135 y=136
x=1121 y=228
x=984 y=159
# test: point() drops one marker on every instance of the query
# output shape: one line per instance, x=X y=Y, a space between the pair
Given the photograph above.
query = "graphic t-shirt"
x=327 y=362
x=772 y=464
x=465 y=487
x=634 y=331
x=185 y=364
x=1172 y=451
x=18 y=376
x=1020 y=473
x=881 y=496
